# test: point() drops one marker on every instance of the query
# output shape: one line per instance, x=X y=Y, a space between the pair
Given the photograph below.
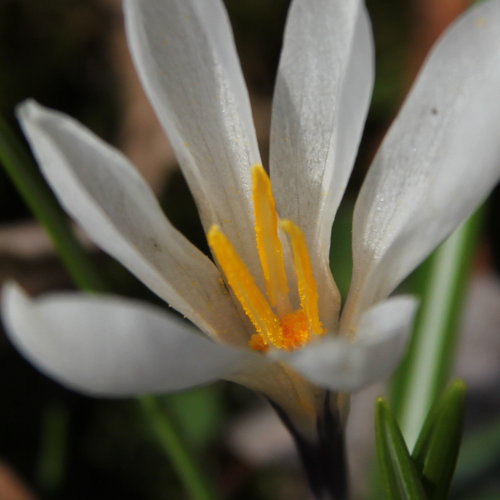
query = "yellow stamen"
x=308 y=291
x=268 y=242
x=277 y=323
x=244 y=287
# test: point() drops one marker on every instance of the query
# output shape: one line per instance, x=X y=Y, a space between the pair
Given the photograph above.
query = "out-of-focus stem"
x=195 y=482
x=426 y=371
x=35 y=192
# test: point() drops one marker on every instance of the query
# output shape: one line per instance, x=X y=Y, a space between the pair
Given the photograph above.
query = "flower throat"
x=277 y=323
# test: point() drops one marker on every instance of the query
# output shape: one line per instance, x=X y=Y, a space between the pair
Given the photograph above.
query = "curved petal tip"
x=340 y=364
x=109 y=346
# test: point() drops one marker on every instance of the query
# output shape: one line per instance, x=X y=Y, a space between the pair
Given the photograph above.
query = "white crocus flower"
x=277 y=326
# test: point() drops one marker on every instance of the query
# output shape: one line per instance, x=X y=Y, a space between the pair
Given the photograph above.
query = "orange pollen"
x=296 y=332
x=257 y=342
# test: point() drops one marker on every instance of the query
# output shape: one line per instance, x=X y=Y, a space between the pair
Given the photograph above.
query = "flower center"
x=276 y=322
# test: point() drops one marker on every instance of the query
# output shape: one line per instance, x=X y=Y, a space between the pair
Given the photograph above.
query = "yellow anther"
x=308 y=291
x=244 y=287
x=268 y=242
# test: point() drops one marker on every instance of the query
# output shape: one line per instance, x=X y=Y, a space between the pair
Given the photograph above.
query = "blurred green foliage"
x=426 y=473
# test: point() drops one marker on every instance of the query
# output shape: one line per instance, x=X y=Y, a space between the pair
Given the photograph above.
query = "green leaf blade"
x=436 y=451
x=399 y=474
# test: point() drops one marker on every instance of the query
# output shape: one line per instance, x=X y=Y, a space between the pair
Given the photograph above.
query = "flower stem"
x=171 y=443
x=324 y=459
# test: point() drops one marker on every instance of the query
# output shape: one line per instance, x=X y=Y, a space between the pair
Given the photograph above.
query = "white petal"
x=97 y=185
x=185 y=55
x=321 y=99
x=381 y=338
x=439 y=160
x=104 y=345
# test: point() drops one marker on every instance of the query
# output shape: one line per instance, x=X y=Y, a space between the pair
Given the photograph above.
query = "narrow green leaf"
x=436 y=451
x=53 y=447
x=398 y=472
x=196 y=483
x=198 y=413
x=35 y=192
x=424 y=374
